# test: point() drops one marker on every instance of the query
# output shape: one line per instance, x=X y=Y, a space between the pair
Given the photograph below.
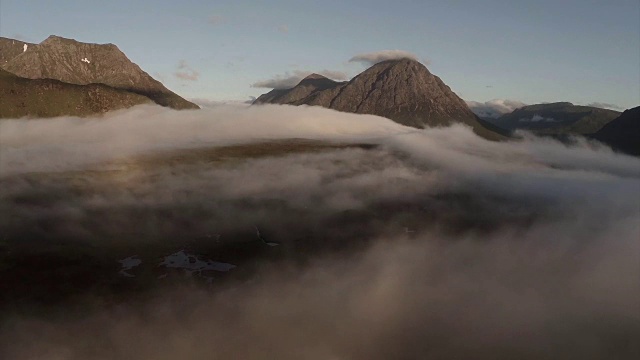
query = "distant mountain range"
x=79 y=63
x=402 y=90
x=561 y=118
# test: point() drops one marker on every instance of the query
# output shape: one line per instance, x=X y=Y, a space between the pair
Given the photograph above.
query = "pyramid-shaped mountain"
x=75 y=62
x=402 y=90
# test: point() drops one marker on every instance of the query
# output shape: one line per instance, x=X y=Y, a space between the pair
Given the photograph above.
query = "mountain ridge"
x=80 y=63
x=559 y=118
x=403 y=90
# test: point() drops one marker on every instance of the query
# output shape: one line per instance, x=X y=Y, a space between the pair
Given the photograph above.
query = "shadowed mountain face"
x=80 y=63
x=20 y=97
x=560 y=118
x=307 y=90
x=623 y=133
x=401 y=90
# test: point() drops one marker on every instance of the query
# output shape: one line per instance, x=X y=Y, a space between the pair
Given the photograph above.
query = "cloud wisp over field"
x=394 y=242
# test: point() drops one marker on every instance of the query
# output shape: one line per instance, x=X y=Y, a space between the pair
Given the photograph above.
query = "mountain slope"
x=20 y=97
x=301 y=94
x=10 y=48
x=80 y=63
x=622 y=133
x=402 y=90
x=560 y=118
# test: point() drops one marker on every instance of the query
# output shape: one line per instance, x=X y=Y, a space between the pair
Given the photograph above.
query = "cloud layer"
x=465 y=248
x=373 y=58
x=207 y=103
x=291 y=79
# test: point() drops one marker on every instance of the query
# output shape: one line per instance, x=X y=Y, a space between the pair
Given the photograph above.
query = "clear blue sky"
x=533 y=51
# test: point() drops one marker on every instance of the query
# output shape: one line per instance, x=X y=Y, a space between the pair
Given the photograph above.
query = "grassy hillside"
x=20 y=97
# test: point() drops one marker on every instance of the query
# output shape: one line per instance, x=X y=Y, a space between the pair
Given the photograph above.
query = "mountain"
x=402 y=90
x=622 y=133
x=10 y=48
x=561 y=118
x=20 y=97
x=75 y=62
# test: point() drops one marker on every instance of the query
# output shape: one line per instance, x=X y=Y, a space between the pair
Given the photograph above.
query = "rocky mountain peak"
x=402 y=90
x=314 y=76
x=52 y=39
x=79 y=63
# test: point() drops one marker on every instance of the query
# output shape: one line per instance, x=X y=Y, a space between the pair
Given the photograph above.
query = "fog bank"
x=443 y=244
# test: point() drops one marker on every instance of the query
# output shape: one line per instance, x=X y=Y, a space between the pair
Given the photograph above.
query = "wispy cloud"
x=283 y=29
x=291 y=79
x=494 y=108
x=186 y=72
x=216 y=19
x=373 y=58
x=604 y=105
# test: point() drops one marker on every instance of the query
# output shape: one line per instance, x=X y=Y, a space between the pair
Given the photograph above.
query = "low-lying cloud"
x=606 y=106
x=537 y=118
x=207 y=103
x=44 y=144
x=494 y=108
x=375 y=57
x=466 y=248
x=291 y=79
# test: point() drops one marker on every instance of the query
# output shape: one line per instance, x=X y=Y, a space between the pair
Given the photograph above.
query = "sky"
x=583 y=51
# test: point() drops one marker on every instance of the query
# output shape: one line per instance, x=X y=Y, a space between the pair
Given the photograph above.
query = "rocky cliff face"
x=20 y=97
x=623 y=133
x=401 y=90
x=80 y=63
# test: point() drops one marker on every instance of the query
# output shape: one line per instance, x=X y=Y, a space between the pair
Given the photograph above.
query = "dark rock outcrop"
x=622 y=133
x=20 y=97
x=75 y=62
x=402 y=90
